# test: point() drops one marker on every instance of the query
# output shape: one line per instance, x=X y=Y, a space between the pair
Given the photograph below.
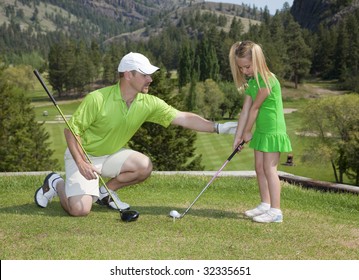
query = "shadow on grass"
x=165 y=210
x=55 y=210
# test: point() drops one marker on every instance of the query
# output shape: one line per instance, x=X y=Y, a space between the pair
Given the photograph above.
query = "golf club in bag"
x=174 y=214
x=126 y=215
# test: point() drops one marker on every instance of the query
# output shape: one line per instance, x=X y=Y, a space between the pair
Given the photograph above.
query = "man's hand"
x=227 y=128
x=88 y=170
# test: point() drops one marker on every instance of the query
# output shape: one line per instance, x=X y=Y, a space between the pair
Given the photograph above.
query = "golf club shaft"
x=214 y=176
x=37 y=74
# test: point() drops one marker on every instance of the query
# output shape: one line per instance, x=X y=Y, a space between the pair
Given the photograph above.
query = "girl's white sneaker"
x=259 y=210
x=269 y=217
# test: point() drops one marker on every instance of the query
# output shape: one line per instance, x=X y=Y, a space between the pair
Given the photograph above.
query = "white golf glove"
x=227 y=128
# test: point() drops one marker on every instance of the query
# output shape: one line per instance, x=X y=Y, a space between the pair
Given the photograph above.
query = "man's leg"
x=79 y=205
x=126 y=168
x=135 y=169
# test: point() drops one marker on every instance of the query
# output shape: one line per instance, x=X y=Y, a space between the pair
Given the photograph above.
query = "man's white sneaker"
x=259 y=210
x=47 y=191
x=269 y=217
x=106 y=199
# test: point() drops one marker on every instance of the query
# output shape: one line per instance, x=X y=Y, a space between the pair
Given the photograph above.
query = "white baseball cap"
x=138 y=62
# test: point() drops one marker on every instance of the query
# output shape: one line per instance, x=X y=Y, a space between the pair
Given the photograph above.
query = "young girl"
x=262 y=106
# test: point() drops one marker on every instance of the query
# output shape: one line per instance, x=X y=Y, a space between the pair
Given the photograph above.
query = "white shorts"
x=110 y=166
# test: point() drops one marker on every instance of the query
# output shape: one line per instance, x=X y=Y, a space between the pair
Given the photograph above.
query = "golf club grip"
x=236 y=150
x=38 y=76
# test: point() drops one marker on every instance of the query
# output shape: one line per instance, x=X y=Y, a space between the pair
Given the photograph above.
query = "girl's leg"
x=270 y=163
x=261 y=177
x=264 y=206
x=274 y=215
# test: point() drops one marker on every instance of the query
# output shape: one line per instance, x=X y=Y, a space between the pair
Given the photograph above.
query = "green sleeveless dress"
x=270 y=133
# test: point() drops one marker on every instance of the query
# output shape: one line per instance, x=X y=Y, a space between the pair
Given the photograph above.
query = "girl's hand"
x=236 y=143
x=247 y=136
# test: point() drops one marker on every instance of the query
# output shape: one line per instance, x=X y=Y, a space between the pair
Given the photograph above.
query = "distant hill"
x=105 y=19
x=310 y=13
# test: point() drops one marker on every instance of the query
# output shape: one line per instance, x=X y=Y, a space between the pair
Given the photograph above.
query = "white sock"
x=55 y=182
x=276 y=211
x=265 y=205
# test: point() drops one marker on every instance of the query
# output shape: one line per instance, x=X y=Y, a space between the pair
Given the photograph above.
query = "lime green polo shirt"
x=105 y=123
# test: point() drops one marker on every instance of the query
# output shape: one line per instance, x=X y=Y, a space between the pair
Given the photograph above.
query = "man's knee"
x=80 y=206
x=146 y=169
x=78 y=212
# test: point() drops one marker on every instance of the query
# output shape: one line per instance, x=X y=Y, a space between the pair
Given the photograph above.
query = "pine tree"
x=185 y=66
x=169 y=148
x=323 y=52
x=95 y=55
x=275 y=49
x=111 y=60
x=236 y=30
x=206 y=60
x=23 y=141
x=342 y=53
x=57 y=76
x=298 y=52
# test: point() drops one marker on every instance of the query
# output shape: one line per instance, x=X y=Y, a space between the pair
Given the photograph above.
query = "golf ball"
x=175 y=214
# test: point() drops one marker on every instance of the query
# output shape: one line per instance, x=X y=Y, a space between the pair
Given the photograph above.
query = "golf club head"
x=129 y=215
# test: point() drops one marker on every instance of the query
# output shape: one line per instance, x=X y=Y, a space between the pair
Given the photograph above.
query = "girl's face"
x=245 y=66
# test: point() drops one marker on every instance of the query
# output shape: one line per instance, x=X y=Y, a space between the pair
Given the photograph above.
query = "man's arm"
x=194 y=122
x=86 y=168
x=197 y=123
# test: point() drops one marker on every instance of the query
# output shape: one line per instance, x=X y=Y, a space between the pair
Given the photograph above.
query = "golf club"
x=126 y=215
x=174 y=214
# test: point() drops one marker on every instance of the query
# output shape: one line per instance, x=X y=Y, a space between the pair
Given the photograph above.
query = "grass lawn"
x=317 y=225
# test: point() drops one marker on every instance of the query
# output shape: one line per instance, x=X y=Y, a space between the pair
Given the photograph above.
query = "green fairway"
x=317 y=225
x=214 y=148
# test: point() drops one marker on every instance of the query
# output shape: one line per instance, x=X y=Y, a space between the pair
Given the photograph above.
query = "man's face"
x=141 y=81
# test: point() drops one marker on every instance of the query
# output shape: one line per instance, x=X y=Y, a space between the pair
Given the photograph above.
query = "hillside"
x=310 y=13
x=106 y=18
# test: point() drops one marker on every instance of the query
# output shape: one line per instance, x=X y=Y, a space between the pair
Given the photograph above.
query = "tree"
x=275 y=47
x=206 y=61
x=233 y=100
x=71 y=67
x=82 y=70
x=23 y=141
x=214 y=97
x=57 y=75
x=323 y=52
x=169 y=148
x=335 y=123
x=342 y=53
x=95 y=55
x=236 y=30
x=185 y=65
x=298 y=52
x=190 y=95
x=110 y=63
x=209 y=98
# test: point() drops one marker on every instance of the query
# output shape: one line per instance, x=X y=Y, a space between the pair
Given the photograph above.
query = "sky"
x=272 y=5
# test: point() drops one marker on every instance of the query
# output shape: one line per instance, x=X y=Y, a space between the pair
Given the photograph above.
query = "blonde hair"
x=253 y=52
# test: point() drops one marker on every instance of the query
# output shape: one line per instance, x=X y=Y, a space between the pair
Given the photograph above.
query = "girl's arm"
x=253 y=113
x=243 y=117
